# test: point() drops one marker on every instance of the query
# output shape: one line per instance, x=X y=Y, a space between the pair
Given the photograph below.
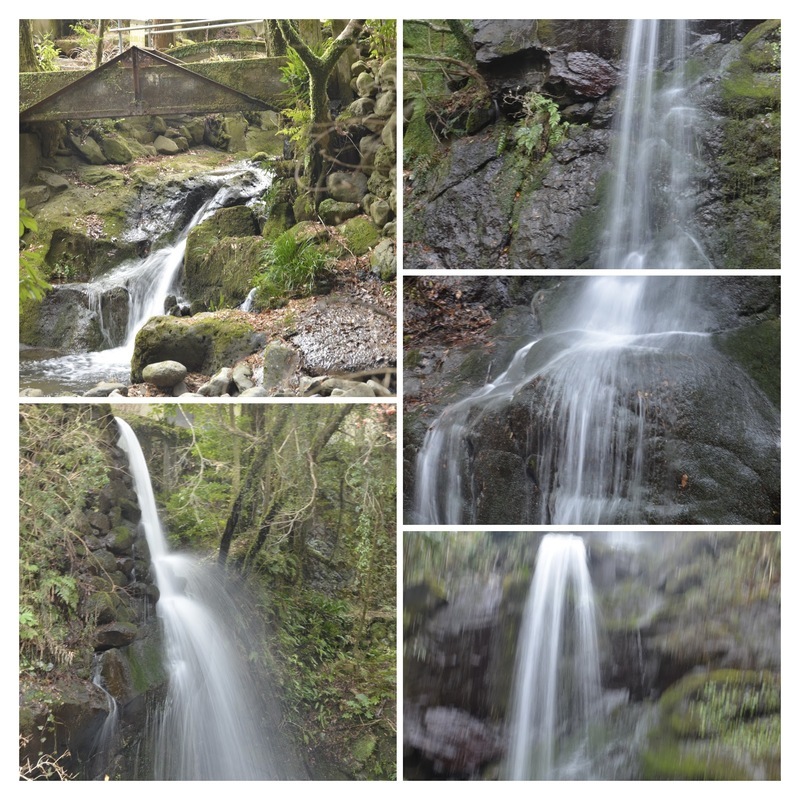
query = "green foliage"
x=32 y=285
x=293 y=269
x=382 y=38
x=87 y=41
x=540 y=127
x=296 y=98
x=46 y=53
x=61 y=466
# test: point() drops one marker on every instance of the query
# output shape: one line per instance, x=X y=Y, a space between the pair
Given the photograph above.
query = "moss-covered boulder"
x=204 y=343
x=223 y=255
x=361 y=235
x=722 y=725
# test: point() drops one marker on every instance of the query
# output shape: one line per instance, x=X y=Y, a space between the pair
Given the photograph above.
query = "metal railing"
x=180 y=27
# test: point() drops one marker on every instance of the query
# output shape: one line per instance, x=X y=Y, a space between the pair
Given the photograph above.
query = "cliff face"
x=711 y=416
x=494 y=182
x=90 y=646
x=690 y=655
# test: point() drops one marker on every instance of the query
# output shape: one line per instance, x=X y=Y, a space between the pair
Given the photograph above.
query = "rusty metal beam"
x=144 y=83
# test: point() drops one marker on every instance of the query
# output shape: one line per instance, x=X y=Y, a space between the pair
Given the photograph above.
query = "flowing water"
x=656 y=156
x=556 y=689
x=210 y=727
x=146 y=284
x=586 y=454
x=585 y=386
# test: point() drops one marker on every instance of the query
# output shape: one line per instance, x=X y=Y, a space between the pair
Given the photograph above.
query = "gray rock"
x=378 y=389
x=115 y=150
x=383 y=260
x=361 y=107
x=380 y=212
x=164 y=374
x=365 y=85
x=352 y=389
x=347 y=187
x=218 y=385
x=586 y=74
x=497 y=39
x=387 y=74
x=165 y=146
x=335 y=212
x=255 y=391
x=35 y=195
x=242 y=376
x=55 y=182
x=280 y=364
x=386 y=103
x=104 y=389
x=88 y=148
x=115 y=634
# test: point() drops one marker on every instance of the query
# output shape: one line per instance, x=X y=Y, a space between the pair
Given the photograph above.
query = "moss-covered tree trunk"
x=27 y=53
x=319 y=71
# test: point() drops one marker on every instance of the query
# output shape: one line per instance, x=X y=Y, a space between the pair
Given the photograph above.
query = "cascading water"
x=655 y=160
x=209 y=727
x=586 y=455
x=586 y=448
x=146 y=283
x=107 y=737
x=556 y=689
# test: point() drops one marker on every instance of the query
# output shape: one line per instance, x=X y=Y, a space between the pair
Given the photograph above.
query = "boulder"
x=348 y=187
x=165 y=146
x=334 y=212
x=280 y=364
x=242 y=376
x=164 y=374
x=115 y=634
x=201 y=343
x=116 y=150
x=219 y=385
x=88 y=149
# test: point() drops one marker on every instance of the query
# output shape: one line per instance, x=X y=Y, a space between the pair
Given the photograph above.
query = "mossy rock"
x=144 y=658
x=758 y=350
x=203 y=343
x=364 y=748
x=223 y=277
x=360 y=234
x=722 y=725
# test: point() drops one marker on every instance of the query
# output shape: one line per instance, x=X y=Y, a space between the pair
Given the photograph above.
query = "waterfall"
x=655 y=158
x=249 y=301
x=210 y=726
x=107 y=738
x=586 y=384
x=145 y=284
x=556 y=688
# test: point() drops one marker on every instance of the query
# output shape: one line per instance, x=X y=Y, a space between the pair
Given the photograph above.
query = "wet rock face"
x=117 y=606
x=456 y=743
x=711 y=433
x=473 y=213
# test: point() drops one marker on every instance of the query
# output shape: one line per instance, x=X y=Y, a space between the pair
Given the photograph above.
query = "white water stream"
x=210 y=726
x=587 y=454
x=556 y=689
x=147 y=283
x=656 y=156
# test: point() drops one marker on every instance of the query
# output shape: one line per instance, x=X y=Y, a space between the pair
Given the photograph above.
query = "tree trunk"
x=161 y=41
x=275 y=45
x=27 y=53
x=101 y=32
x=319 y=70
